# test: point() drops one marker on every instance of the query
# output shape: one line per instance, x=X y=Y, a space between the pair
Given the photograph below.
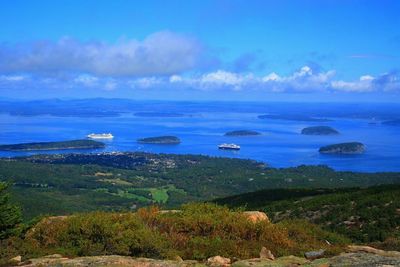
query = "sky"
x=253 y=50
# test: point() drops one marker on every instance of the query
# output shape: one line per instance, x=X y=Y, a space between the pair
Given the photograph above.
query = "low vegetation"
x=198 y=231
x=365 y=215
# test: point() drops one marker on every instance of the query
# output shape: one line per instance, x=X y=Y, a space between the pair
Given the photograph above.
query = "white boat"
x=229 y=146
x=100 y=136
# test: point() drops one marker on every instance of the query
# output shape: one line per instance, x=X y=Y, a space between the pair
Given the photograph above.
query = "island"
x=159 y=114
x=167 y=139
x=289 y=117
x=61 y=145
x=392 y=122
x=242 y=133
x=319 y=130
x=343 y=148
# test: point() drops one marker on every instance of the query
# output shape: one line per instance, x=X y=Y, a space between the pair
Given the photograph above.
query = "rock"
x=278 y=262
x=16 y=260
x=178 y=258
x=109 y=261
x=372 y=250
x=266 y=254
x=169 y=211
x=54 y=256
x=256 y=216
x=218 y=261
x=360 y=259
x=312 y=255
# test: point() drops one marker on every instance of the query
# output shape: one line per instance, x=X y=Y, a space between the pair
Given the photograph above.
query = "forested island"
x=166 y=139
x=242 y=133
x=343 y=148
x=319 y=130
x=71 y=144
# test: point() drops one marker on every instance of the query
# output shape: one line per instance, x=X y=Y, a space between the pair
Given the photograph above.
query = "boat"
x=100 y=136
x=229 y=146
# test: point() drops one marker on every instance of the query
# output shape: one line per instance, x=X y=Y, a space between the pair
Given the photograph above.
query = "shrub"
x=198 y=231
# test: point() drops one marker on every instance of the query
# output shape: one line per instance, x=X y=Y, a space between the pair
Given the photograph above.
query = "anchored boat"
x=229 y=146
x=100 y=136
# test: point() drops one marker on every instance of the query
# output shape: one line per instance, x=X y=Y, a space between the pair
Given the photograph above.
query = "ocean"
x=202 y=129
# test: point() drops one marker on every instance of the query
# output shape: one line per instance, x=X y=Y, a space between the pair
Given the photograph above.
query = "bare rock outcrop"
x=218 y=261
x=256 y=216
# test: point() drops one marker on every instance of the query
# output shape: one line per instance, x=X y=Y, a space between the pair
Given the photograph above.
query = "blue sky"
x=232 y=49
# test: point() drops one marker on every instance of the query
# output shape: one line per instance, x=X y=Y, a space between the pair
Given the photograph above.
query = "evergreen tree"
x=10 y=215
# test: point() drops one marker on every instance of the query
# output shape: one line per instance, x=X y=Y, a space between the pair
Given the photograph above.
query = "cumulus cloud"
x=162 y=53
x=303 y=80
x=12 y=78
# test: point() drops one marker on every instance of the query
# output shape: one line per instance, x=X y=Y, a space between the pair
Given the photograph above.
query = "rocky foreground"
x=361 y=256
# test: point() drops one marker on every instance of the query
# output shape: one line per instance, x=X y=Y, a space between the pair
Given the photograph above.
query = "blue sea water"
x=280 y=145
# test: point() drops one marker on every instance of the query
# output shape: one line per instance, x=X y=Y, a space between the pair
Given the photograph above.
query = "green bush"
x=197 y=231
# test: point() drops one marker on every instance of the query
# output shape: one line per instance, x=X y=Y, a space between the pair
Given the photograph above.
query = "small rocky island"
x=319 y=130
x=343 y=148
x=167 y=139
x=72 y=144
x=159 y=114
x=242 y=133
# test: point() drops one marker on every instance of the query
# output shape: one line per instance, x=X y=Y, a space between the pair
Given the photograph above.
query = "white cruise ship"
x=100 y=136
x=229 y=146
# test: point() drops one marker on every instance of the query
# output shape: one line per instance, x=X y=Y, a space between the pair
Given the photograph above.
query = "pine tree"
x=10 y=215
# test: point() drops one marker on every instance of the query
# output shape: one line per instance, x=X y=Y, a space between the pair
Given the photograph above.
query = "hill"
x=362 y=214
x=67 y=183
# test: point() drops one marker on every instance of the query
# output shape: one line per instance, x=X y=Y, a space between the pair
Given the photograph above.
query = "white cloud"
x=86 y=80
x=110 y=85
x=364 y=84
x=175 y=79
x=161 y=53
x=146 y=82
x=12 y=78
x=305 y=79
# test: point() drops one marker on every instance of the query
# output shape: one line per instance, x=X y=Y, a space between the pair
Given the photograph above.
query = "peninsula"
x=72 y=144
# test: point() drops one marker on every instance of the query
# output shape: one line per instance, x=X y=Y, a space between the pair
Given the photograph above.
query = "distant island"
x=72 y=144
x=167 y=139
x=319 y=130
x=159 y=114
x=343 y=148
x=292 y=118
x=242 y=133
x=392 y=122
